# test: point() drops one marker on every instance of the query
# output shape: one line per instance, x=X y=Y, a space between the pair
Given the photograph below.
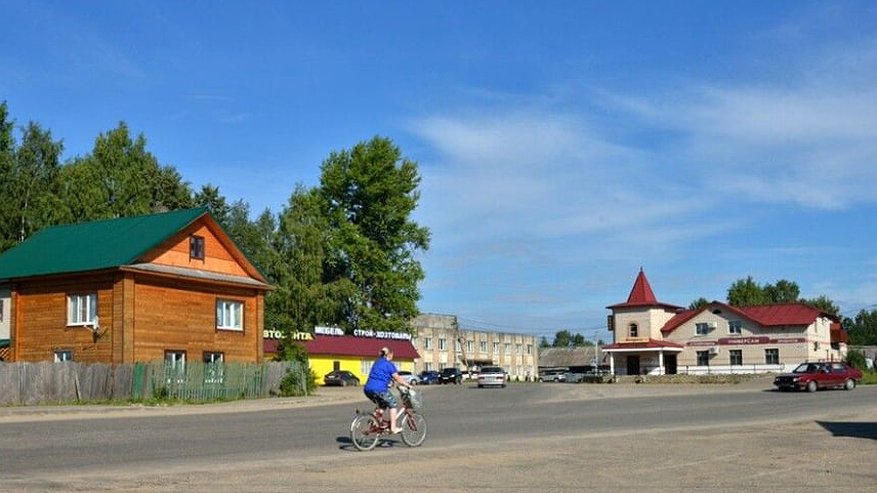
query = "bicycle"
x=366 y=429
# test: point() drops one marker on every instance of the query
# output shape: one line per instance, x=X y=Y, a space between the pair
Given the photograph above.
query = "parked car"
x=553 y=376
x=410 y=378
x=451 y=375
x=492 y=376
x=815 y=376
x=429 y=377
x=340 y=378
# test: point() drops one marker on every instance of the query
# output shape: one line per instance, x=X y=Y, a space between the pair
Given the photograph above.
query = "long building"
x=441 y=344
x=653 y=338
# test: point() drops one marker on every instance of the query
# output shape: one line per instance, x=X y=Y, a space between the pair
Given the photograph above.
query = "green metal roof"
x=94 y=245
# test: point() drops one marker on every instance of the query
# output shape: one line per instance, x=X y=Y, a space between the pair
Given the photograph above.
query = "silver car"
x=492 y=376
x=410 y=378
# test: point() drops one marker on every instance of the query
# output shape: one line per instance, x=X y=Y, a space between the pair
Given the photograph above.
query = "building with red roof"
x=652 y=337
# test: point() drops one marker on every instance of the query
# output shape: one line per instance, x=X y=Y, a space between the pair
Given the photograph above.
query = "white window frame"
x=482 y=346
x=229 y=314
x=443 y=344
x=62 y=355
x=508 y=348
x=81 y=309
x=701 y=329
x=175 y=365
x=427 y=343
x=214 y=366
x=775 y=351
x=735 y=327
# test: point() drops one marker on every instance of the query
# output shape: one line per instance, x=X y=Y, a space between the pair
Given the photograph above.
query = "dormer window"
x=633 y=330
x=196 y=247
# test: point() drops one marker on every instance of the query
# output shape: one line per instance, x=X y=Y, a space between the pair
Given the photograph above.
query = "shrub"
x=856 y=359
x=297 y=382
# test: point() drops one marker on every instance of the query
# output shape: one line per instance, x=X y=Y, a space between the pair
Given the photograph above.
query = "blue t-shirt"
x=380 y=376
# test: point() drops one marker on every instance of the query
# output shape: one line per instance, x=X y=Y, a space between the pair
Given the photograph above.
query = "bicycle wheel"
x=414 y=429
x=364 y=432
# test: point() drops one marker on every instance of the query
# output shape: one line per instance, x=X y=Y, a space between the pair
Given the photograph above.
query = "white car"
x=410 y=378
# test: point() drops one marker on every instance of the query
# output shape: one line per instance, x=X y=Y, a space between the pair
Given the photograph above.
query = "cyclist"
x=377 y=387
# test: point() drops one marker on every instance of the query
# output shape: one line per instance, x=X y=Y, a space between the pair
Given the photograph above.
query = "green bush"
x=868 y=378
x=856 y=359
x=292 y=384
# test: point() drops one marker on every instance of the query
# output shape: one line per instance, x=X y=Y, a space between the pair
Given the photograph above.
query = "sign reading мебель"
x=335 y=331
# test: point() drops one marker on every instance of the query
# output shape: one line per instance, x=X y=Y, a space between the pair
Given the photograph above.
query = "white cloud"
x=536 y=174
x=810 y=140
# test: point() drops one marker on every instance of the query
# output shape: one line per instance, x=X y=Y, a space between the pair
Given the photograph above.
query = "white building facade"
x=655 y=338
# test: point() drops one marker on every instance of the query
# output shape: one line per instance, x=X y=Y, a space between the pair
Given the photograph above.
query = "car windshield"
x=491 y=369
x=806 y=368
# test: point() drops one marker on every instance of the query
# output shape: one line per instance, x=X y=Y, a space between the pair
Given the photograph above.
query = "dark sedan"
x=340 y=378
x=428 y=377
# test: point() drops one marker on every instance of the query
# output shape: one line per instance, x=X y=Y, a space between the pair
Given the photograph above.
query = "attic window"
x=196 y=247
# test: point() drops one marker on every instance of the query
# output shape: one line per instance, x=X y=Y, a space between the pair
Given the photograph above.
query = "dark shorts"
x=384 y=400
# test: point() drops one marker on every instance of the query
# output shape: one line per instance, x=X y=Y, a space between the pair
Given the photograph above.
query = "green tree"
x=563 y=338
x=698 y=303
x=578 y=340
x=210 y=197
x=369 y=194
x=782 y=291
x=303 y=298
x=30 y=183
x=746 y=292
x=543 y=342
x=862 y=329
x=120 y=178
x=823 y=303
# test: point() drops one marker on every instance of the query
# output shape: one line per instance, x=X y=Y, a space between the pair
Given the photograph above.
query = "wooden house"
x=169 y=286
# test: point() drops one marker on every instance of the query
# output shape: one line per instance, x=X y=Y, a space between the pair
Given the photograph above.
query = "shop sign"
x=296 y=336
x=743 y=341
x=378 y=334
x=328 y=331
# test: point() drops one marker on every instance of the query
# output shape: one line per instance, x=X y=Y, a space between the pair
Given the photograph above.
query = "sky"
x=562 y=145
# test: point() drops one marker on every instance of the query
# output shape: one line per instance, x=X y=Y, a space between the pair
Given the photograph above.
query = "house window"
x=701 y=329
x=518 y=349
x=229 y=315
x=508 y=348
x=442 y=366
x=735 y=327
x=81 y=309
x=772 y=356
x=482 y=346
x=529 y=349
x=196 y=247
x=633 y=330
x=2 y=305
x=175 y=366
x=736 y=356
x=703 y=358
x=427 y=343
x=470 y=346
x=495 y=348
x=443 y=344
x=213 y=368
x=62 y=355
x=428 y=366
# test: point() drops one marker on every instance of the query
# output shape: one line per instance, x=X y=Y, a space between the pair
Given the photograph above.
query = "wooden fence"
x=71 y=382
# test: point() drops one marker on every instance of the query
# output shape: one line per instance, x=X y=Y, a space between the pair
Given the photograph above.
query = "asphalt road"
x=476 y=433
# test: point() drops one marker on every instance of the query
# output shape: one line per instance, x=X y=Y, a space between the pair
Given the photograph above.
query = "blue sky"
x=562 y=145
